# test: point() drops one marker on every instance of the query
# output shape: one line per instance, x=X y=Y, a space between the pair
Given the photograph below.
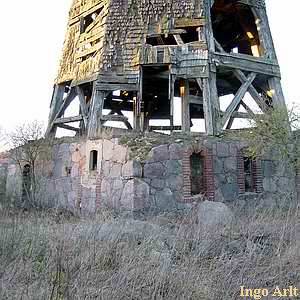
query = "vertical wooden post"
x=56 y=102
x=277 y=93
x=211 y=105
x=265 y=33
x=137 y=112
x=141 y=103
x=208 y=27
x=185 y=102
x=96 y=112
x=171 y=98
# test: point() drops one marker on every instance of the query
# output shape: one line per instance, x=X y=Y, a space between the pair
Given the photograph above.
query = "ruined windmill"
x=142 y=64
x=137 y=56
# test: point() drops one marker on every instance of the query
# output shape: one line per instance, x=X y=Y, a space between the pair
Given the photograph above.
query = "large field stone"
x=213 y=216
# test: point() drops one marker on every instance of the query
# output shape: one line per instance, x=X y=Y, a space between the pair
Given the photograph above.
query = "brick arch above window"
x=208 y=180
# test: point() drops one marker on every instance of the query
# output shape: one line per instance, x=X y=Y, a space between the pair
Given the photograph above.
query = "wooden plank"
x=98 y=99
x=252 y=90
x=116 y=86
x=115 y=118
x=138 y=117
x=231 y=119
x=185 y=92
x=172 y=79
x=83 y=106
x=247 y=63
x=277 y=97
x=84 y=12
x=166 y=128
x=89 y=51
x=178 y=39
x=67 y=127
x=209 y=128
x=188 y=22
x=64 y=105
x=237 y=98
x=211 y=106
x=196 y=99
x=248 y=109
x=68 y=120
x=56 y=102
x=265 y=33
x=241 y=115
x=209 y=37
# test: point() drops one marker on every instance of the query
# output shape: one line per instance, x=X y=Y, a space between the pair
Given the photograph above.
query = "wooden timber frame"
x=174 y=56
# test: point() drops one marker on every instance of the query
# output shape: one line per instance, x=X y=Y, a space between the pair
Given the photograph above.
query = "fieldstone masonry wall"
x=3 y=177
x=156 y=183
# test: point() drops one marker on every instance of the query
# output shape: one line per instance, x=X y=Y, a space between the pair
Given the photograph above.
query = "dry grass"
x=45 y=255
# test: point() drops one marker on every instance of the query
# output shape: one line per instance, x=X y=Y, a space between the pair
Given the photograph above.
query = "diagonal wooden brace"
x=237 y=98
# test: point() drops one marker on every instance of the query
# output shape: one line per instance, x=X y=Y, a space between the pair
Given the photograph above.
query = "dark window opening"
x=249 y=173
x=191 y=35
x=93 y=160
x=235 y=28
x=68 y=171
x=26 y=182
x=161 y=40
x=197 y=174
x=85 y=22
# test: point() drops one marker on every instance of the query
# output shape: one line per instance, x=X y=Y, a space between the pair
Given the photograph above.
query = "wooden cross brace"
x=238 y=99
x=242 y=78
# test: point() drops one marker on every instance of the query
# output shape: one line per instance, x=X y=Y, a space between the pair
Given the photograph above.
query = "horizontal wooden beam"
x=169 y=128
x=195 y=99
x=240 y=115
x=116 y=86
x=115 y=118
x=68 y=120
x=247 y=63
x=172 y=31
x=67 y=127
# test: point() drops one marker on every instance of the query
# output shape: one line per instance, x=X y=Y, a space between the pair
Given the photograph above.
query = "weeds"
x=116 y=258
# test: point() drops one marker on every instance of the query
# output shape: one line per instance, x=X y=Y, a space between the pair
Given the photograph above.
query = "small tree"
x=277 y=132
x=2 y=139
x=28 y=148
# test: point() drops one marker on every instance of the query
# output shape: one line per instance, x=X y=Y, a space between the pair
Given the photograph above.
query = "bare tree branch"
x=28 y=149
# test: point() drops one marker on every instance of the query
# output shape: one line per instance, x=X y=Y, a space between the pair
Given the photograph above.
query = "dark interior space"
x=161 y=40
x=191 y=34
x=234 y=27
x=197 y=174
x=93 y=160
x=156 y=101
x=86 y=21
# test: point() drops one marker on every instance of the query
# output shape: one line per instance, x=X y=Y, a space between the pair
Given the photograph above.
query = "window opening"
x=197 y=174
x=93 y=160
x=161 y=40
x=249 y=174
x=86 y=21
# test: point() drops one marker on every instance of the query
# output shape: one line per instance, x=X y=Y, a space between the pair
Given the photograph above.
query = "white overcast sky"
x=32 y=34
